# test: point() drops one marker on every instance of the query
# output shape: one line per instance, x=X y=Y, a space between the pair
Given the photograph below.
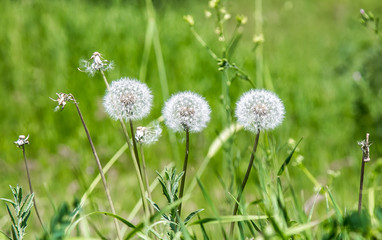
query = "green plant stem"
x=31 y=188
x=184 y=170
x=135 y=144
x=100 y=171
x=137 y=168
x=250 y=165
x=204 y=44
x=146 y=177
x=310 y=176
x=104 y=79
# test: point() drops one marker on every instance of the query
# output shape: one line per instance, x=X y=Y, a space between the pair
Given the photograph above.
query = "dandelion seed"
x=186 y=111
x=259 y=110
x=148 y=135
x=128 y=99
x=95 y=63
x=22 y=141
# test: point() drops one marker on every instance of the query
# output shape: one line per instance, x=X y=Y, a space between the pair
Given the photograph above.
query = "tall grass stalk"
x=152 y=38
x=259 y=49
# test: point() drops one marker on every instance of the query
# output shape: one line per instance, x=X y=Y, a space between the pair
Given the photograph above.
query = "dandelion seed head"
x=22 y=141
x=95 y=63
x=62 y=99
x=259 y=110
x=148 y=135
x=186 y=111
x=128 y=99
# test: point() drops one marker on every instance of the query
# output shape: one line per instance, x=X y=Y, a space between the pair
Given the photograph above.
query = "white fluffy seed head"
x=186 y=111
x=149 y=134
x=128 y=99
x=259 y=110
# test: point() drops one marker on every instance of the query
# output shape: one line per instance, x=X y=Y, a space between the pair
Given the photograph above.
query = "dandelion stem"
x=137 y=167
x=184 y=170
x=365 y=158
x=146 y=177
x=104 y=79
x=250 y=165
x=31 y=188
x=100 y=170
x=135 y=144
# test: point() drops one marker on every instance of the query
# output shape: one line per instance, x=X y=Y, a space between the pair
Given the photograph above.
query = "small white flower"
x=95 y=63
x=186 y=111
x=148 y=135
x=22 y=141
x=259 y=110
x=128 y=99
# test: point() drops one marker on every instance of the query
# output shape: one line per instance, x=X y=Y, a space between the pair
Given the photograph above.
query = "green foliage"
x=170 y=186
x=21 y=211
x=61 y=220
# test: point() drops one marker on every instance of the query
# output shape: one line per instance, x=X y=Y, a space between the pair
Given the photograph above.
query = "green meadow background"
x=314 y=54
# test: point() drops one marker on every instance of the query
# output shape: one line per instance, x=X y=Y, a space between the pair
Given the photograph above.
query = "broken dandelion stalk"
x=30 y=185
x=365 y=146
x=63 y=98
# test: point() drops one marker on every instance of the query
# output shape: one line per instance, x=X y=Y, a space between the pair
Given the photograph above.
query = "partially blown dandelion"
x=186 y=111
x=128 y=99
x=189 y=112
x=257 y=110
x=148 y=135
x=95 y=63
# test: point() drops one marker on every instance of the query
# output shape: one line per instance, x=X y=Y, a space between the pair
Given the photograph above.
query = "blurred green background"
x=314 y=54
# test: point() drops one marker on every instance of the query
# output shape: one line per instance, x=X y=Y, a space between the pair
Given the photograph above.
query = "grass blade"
x=287 y=160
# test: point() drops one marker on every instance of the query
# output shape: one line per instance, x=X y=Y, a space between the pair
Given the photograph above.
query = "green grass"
x=311 y=51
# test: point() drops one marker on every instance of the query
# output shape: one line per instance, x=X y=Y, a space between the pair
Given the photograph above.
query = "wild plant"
x=188 y=112
x=21 y=211
x=21 y=142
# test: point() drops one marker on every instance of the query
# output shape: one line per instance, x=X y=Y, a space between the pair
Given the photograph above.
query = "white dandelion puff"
x=259 y=110
x=186 y=111
x=128 y=99
x=148 y=135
